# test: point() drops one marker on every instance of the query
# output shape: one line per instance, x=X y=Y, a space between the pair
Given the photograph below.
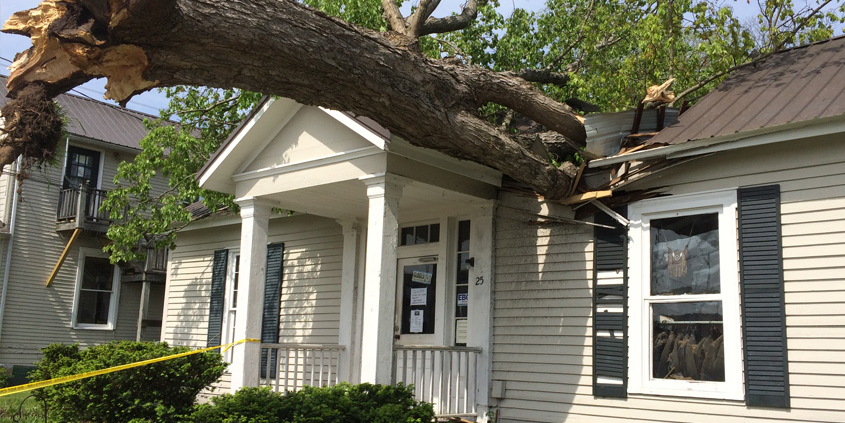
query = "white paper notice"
x=416 y=321
x=418 y=296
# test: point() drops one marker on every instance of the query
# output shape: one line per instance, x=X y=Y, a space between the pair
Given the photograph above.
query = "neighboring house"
x=713 y=290
x=47 y=219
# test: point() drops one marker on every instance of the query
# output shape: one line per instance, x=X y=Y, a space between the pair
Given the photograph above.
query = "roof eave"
x=761 y=136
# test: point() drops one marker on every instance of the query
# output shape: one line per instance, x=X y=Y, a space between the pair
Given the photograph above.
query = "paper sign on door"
x=421 y=277
x=419 y=296
x=416 y=321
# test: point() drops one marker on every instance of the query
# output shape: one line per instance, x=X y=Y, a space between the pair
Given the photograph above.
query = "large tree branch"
x=393 y=16
x=418 y=19
x=280 y=47
x=454 y=22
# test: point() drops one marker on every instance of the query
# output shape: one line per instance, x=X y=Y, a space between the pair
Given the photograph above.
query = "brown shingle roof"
x=97 y=120
x=799 y=84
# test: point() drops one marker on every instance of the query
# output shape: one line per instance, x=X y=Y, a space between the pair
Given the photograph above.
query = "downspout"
x=9 y=244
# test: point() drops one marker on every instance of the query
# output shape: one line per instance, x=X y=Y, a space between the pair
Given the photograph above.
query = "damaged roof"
x=799 y=84
x=97 y=120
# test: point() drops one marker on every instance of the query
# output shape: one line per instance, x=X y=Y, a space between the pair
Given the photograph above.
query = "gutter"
x=756 y=137
x=8 y=263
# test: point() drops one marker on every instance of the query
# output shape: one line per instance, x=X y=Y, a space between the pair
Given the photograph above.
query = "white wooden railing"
x=444 y=376
x=299 y=365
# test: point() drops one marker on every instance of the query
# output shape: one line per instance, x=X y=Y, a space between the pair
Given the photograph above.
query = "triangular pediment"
x=281 y=135
x=310 y=135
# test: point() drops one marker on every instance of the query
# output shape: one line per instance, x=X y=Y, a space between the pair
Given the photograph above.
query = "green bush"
x=344 y=403
x=158 y=392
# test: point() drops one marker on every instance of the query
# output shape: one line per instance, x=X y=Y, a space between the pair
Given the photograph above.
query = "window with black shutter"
x=685 y=334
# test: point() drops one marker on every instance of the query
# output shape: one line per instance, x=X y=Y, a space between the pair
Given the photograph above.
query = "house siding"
x=310 y=299
x=542 y=325
x=37 y=315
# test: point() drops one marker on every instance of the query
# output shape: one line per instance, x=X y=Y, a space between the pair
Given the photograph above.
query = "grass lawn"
x=33 y=410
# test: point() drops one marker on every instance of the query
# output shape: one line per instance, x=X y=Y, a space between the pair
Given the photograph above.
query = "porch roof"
x=313 y=160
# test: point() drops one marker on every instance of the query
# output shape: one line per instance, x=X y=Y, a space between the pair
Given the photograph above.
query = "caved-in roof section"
x=97 y=120
x=797 y=85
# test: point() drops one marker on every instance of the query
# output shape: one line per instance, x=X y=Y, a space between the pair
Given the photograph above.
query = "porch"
x=443 y=376
x=416 y=227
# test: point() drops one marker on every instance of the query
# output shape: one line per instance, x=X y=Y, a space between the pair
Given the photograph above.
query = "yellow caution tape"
x=66 y=379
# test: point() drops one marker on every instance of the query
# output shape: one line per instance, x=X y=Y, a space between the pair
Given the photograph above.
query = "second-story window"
x=83 y=166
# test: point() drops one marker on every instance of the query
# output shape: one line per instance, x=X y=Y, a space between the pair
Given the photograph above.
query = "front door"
x=417 y=321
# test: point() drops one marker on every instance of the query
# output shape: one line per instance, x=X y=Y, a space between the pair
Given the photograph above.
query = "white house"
x=714 y=292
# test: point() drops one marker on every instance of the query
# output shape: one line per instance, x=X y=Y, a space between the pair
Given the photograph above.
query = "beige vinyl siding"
x=542 y=325
x=37 y=315
x=310 y=299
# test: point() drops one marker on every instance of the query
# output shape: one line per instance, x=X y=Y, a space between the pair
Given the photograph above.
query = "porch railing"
x=290 y=367
x=81 y=204
x=444 y=376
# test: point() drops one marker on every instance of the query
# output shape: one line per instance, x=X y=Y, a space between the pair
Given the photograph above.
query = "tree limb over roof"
x=281 y=47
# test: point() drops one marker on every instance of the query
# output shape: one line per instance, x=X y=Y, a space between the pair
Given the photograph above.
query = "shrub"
x=159 y=392
x=344 y=403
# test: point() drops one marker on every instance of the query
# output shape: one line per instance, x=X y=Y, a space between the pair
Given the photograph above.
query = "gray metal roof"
x=796 y=85
x=97 y=120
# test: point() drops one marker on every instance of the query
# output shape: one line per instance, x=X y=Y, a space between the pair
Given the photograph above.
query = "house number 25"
x=479 y=280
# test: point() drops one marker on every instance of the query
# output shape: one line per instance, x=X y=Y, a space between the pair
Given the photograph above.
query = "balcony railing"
x=444 y=376
x=80 y=208
x=290 y=367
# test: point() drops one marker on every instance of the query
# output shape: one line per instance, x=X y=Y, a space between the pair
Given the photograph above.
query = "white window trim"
x=640 y=382
x=228 y=327
x=115 y=296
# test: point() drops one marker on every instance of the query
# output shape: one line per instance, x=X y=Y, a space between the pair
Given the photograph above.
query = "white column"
x=380 y=279
x=480 y=319
x=255 y=219
x=350 y=332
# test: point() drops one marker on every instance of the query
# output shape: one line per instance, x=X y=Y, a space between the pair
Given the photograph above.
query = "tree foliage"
x=602 y=51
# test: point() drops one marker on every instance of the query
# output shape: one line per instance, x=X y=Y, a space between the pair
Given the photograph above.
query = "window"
x=418 y=235
x=462 y=283
x=683 y=297
x=231 y=301
x=98 y=283
x=83 y=166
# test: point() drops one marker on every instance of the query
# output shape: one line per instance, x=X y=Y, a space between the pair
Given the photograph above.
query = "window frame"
x=640 y=299
x=229 y=312
x=115 y=292
x=98 y=170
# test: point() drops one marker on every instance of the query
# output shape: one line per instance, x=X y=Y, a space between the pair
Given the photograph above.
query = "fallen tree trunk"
x=282 y=48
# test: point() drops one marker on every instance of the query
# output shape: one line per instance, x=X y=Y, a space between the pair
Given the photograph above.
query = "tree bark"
x=282 y=48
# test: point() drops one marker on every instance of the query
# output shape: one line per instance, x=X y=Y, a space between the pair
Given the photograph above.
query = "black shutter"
x=272 y=299
x=610 y=352
x=218 y=289
x=763 y=316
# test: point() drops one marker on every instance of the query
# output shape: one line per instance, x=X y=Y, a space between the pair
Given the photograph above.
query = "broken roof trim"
x=762 y=136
